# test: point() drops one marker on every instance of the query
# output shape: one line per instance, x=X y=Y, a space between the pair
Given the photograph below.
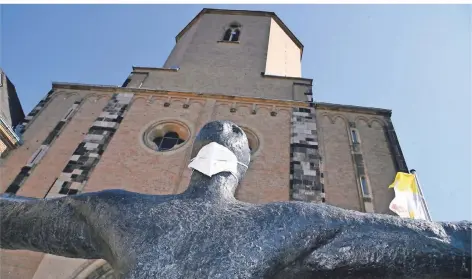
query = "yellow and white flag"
x=407 y=202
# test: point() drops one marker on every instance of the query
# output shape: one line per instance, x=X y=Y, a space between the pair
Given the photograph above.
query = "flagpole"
x=413 y=171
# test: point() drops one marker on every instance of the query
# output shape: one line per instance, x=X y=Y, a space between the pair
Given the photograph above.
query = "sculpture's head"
x=223 y=139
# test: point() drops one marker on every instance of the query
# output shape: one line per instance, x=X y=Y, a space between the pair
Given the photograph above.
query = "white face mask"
x=214 y=158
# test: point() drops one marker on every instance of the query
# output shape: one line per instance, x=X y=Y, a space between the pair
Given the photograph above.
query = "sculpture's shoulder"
x=119 y=196
x=297 y=208
x=286 y=213
x=308 y=214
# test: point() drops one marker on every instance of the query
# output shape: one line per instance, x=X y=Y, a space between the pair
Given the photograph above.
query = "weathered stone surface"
x=87 y=154
x=305 y=160
x=206 y=233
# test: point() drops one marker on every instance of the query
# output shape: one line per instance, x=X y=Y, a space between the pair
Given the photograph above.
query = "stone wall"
x=37 y=109
x=37 y=131
x=306 y=172
x=38 y=155
x=345 y=162
x=87 y=154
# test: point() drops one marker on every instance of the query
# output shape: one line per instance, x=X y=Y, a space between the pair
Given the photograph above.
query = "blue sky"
x=414 y=59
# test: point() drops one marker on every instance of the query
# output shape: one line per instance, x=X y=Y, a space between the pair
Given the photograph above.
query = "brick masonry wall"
x=85 y=157
x=379 y=162
x=365 y=193
x=35 y=134
x=37 y=109
x=137 y=168
x=59 y=153
x=38 y=155
x=342 y=184
x=256 y=86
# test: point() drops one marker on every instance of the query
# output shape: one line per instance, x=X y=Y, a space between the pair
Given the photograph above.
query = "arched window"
x=227 y=35
x=232 y=32
x=235 y=35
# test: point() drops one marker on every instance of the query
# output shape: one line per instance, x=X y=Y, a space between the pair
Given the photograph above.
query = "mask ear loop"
x=243 y=165
x=192 y=168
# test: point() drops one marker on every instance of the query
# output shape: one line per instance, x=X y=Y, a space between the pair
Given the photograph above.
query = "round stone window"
x=252 y=139
x=166 y=136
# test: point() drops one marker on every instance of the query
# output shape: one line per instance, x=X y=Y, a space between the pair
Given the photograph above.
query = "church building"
x=242 y=66
x=11 y=114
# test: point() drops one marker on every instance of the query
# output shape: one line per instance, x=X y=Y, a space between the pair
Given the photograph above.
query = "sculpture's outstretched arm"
x=383 y=246
x=57 y=226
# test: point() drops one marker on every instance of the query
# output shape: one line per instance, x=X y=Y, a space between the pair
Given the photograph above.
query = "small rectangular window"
x=364 y=187
x=355 y=139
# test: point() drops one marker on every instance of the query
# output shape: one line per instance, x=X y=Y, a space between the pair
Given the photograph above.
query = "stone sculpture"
x=206 y=233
